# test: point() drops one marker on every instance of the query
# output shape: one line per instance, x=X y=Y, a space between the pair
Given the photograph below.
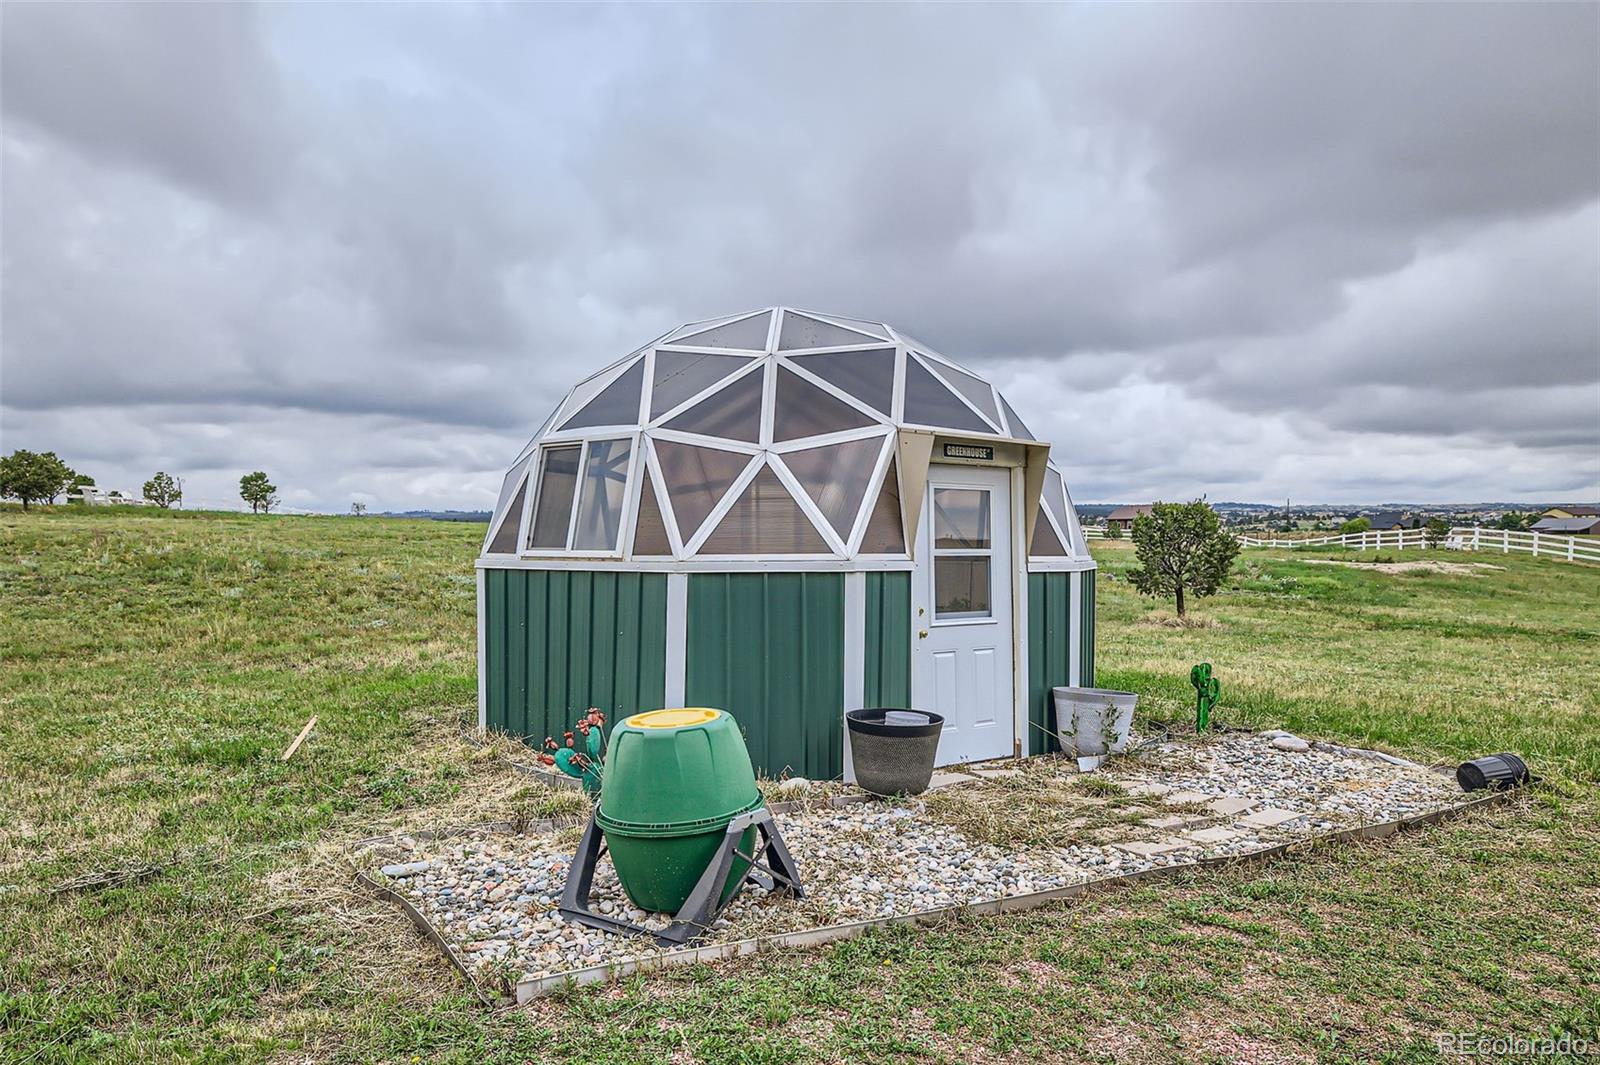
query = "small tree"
x=1435 y=531
x=1355 y=525
x=1113 y=531
x=358 y=509
x=79 y=480
x=33 y=477
x=260 y=493
x=1181 y=548
x=163 y=490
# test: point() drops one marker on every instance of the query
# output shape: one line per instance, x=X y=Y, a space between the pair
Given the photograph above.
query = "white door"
x=961 y=646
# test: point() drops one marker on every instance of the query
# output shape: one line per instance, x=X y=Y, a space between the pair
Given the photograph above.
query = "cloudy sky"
x=1340 y=253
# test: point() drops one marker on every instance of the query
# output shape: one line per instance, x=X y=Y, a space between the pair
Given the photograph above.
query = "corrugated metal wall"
x=561 y=641
x=769 y=648
x=1051 y=630
x=888 y=640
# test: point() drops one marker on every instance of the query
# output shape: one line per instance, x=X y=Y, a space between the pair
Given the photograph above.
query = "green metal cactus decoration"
x=1206 y=690
x=587 y=762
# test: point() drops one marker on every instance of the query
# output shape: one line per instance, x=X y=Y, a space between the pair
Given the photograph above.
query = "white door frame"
x=992 y=477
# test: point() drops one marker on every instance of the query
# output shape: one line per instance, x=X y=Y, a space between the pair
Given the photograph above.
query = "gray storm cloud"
x=1340 y=252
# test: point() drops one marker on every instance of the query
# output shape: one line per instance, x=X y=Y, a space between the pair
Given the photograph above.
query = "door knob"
x=922 y=635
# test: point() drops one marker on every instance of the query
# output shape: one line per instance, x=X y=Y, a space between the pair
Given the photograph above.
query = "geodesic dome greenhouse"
x=786 y=514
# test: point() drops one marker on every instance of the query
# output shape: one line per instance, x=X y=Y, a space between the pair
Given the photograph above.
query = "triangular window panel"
x=1046 y=544
x=802 y=331
x=837 y=478
x=866 y=375
x=682 y=374
x=930 y=403
x=733 y=413
x=870 y=328
x=505 y=537
x=1018 y=430
x=1054 y=497
x=803 y=409
x=765 y=521
x=749 y=334
x=696 y=479
x=884 y=535
x=617 y=404
x=977 y=391
x=650 y=529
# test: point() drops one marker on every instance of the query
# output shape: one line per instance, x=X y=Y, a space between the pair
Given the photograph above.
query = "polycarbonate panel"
x=505 y=537
x=696 y=479
x=765 y=521
x=682 y=374
x=558 y=482
x=1054 y=497
x=871 y=328
x=802 y=331
x=803 y=409
x=605 y=484
x=617 y=403
x=733 y=412
x=961 y=518
x=650 y=529
x=1017 y=430
x=747 y=333
x=885 y=534
x=1045 y=544
x=836 y=478
x=866 y=375
x=512 y=480
x=930 y=403
x=975 y=389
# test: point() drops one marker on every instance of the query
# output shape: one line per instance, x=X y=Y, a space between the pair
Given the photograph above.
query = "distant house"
x=1122 y=517
x=101 y=497
x=1571 y=510
x=1393 y=519
x=1584 y=525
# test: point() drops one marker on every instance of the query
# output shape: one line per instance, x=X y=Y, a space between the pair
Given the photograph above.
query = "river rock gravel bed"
x=492 y=895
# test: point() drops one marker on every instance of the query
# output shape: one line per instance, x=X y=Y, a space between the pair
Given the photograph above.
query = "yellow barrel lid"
x=690 y=715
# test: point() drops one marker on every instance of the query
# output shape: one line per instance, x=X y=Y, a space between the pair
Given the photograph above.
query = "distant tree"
x=1513 y=519
x=163 y=490
x=1355 y=525
x=80 y=480
x=260 y=493
x=1113 y=531
x=358 y=509
x=33 y=477
x=1182 y=548
x=1435 y=531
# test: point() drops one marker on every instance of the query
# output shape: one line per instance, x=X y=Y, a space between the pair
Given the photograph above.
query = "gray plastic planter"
x=892 y=751
x=1093 y=721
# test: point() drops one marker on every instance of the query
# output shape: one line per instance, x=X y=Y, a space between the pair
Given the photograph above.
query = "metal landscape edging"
x=529 y=989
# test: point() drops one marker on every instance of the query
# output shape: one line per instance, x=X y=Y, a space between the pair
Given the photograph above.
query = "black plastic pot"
x=893 y=750
x=1504 y=770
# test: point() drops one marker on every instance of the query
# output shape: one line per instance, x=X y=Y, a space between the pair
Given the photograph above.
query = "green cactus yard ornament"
x=585 y=762
x=1206 y=691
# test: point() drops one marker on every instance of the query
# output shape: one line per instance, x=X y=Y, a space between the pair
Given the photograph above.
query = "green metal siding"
x=560 y=641
x=1050 y=633
x=769 y=648
x=1086 y=630
x=888 y=640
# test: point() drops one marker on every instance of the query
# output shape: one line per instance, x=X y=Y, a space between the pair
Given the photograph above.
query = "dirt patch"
x=1471 y=569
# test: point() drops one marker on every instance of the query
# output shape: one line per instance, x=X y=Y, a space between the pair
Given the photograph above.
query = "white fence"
x=1461 y=538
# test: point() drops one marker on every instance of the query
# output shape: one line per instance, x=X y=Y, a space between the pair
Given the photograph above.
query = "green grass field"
x=154 y=666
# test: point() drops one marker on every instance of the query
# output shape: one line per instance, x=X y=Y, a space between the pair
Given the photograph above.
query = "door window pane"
x=732 y=412
x=557 y=483
x=961 y=518
x=605 y=482
x=960 y=587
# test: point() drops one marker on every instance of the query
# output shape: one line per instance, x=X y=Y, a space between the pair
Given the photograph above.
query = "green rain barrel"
x=673 y=781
